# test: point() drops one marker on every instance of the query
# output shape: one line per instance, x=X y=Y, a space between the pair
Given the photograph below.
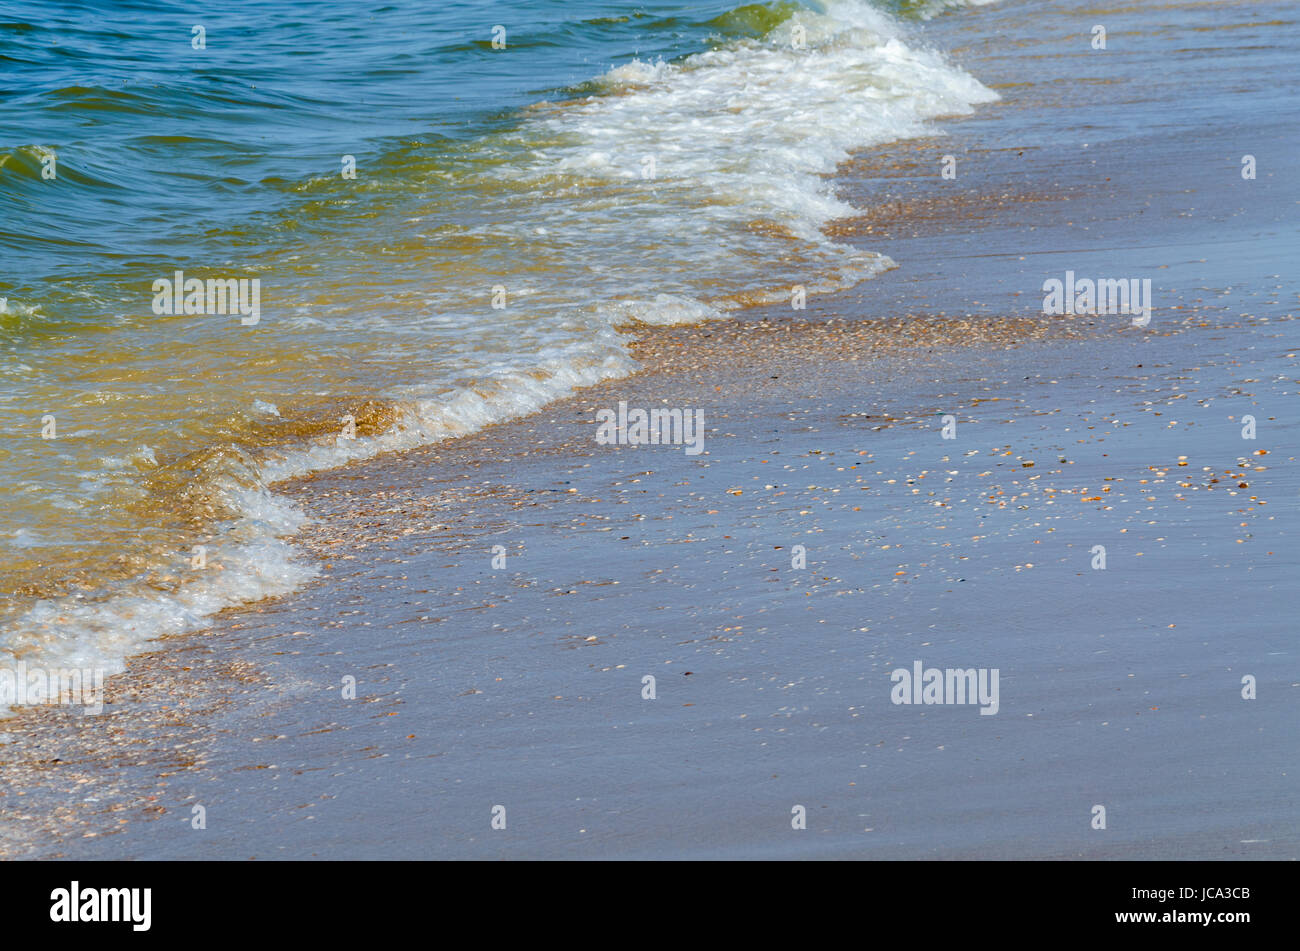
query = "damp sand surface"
x=522 y=686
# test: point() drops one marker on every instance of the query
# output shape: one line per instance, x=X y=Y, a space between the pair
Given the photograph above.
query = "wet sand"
x=522 y=686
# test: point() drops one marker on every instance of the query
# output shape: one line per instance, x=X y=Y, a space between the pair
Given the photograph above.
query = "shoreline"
x=406 y=541
x=208 y=703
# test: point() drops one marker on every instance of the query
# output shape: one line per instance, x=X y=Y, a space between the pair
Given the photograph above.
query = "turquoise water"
x=164 y=143
x=170 y=148
x=516 y=206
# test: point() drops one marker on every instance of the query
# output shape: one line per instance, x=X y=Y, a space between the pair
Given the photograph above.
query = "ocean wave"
x=732 y=148
x=683 y=189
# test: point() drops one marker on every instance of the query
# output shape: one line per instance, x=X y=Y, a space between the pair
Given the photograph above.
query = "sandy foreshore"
x=521 y=684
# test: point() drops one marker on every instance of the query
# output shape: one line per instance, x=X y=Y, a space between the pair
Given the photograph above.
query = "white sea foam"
x=751 y=131
x=663 y=310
